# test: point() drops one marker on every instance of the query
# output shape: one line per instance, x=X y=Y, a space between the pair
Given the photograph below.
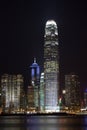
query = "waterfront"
x=43 y=122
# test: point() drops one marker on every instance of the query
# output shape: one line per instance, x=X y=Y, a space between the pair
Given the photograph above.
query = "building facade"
x=51 y=66
x=85 y=99
x=35 y=81
x=30 y=99
x=72 y=95
x=11 y=92
x=41 y=92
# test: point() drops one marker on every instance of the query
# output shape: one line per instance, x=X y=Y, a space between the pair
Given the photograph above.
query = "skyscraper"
x=41 y=92
x=30 y=99
x=11 y=92
x=72 y=95
x=85 y=98
x=51 y=66
x=35 y=81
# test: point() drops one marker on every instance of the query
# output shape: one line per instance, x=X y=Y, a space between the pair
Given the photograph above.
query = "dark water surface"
x=43 y=122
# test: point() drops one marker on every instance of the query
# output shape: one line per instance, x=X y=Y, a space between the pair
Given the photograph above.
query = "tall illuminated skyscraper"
x=35 y=81
x=51 y=66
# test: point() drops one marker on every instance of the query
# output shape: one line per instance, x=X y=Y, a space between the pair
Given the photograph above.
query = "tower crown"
x=51 y=28
x=34 y=64
x=50 y=23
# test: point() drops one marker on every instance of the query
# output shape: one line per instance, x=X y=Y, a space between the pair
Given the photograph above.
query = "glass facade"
x=72 y=95
x=51 y=66
x=41 y=92
x=35 y=81
x=85 y=99
x=30 y=99
x=11 y=88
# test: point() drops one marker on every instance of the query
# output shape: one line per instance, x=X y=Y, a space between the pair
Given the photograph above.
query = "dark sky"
x=22 y=27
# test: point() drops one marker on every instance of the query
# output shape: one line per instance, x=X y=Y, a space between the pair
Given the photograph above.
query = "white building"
x=51 y=66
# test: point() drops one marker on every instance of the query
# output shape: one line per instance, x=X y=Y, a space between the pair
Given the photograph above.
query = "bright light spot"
x=58 y=109
x=51 y=22
x=64 y=91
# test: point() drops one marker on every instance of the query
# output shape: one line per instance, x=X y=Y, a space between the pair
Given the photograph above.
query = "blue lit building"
x=35 y=81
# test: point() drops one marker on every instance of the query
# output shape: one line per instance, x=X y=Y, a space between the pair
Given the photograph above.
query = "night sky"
x=22 y=27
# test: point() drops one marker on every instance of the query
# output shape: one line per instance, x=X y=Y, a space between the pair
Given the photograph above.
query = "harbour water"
x=43 y=122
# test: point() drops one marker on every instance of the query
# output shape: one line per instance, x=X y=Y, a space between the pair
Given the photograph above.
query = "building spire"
x=34 y=60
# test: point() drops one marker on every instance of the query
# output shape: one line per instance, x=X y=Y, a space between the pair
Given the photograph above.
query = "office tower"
x=85 y=99
x=30 y=99
x=20 y=92
x=11 y=92
x=35 y=81
x=41 y=92
x=51 y=66
x=72 y=95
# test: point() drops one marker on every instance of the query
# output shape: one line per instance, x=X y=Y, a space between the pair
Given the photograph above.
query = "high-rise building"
x=85 y=98
x=30 y=99
x=51 y=66
x=35 y=81
x=11 y=92
x=72 y=95
x=21 y=92
x=41 y=92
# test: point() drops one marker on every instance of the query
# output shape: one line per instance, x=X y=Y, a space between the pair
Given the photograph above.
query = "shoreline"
x=44 y=114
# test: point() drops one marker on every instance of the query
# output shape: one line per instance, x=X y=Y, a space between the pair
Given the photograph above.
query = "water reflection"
x=12 y=128
x=43 y=123
x=57 y=123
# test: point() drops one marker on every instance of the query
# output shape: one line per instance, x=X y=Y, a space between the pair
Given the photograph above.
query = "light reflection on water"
x=43 y=123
